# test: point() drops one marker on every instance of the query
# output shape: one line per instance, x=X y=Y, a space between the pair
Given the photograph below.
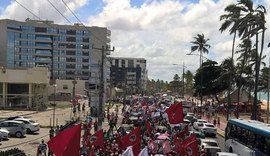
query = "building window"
x=65 y=86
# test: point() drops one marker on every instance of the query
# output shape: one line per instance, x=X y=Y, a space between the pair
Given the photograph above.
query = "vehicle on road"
x=30 y=125
x=209 y=129
x=5 y=133
x=16 y=128
x=198 y=124
x=226 y=154
x=199 y=135
x=247 y=137
x=210 y=147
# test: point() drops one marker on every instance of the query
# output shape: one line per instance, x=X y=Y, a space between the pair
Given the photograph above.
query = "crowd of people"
x=157 y=134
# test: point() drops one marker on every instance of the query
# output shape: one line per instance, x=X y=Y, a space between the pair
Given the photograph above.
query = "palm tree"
x=254 y=20
x=231 y=19
x=200 y=44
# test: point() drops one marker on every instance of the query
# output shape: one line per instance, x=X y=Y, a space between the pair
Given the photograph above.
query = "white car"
x=30 y=125
x=226 y=154
x=210 y=147
x=5 y=133
x=209 y=129
x=16 y=128
x=198 y=124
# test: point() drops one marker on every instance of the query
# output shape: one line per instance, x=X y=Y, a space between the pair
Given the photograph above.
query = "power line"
x=59 y=12
x=63 y=15
x=79 y=20
x=27 y=9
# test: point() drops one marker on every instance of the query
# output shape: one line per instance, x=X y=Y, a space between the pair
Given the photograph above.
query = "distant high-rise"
x=65 y=49
x=128 y=73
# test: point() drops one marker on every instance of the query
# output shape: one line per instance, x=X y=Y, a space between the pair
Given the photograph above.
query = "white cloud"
x=41 y=8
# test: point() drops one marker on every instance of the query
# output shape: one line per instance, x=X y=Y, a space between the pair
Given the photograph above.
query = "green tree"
x=231 y=20
x=189 y=82
x=211 y=84
x=254 y=19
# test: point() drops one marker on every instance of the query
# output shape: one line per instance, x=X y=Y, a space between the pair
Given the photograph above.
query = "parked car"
x=226 y=154
x=209 y=129
x=199 y=135
x=192 y=119
x=30 y=125
x=16 y=117
x=15 y=128
x=5 y=133
x=210 y=147
x=199 y=123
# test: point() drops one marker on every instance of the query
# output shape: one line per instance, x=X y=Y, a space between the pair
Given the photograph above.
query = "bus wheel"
x=230 y=150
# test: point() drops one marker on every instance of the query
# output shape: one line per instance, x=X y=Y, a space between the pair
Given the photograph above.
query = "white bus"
x=247 y=137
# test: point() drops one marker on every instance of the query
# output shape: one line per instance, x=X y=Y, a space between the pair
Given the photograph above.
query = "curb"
x=221 y=133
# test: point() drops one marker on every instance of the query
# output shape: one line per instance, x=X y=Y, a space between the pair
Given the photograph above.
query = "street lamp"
x=54 y=104
x=183 y=77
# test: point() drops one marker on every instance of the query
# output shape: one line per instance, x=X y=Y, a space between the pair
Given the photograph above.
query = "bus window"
x=251 y=139
x=244 y=137
x=233 y=131
x=260 y=143
x=267 y=145
x=238 y=133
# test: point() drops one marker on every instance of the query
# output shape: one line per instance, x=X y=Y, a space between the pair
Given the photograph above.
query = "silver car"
x=15 y=128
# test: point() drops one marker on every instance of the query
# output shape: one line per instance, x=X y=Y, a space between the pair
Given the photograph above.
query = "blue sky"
x=158 y=30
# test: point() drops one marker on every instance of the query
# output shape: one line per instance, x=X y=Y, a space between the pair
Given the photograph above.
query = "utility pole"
x=268 y=87
x=183 y=79
x=101 y=85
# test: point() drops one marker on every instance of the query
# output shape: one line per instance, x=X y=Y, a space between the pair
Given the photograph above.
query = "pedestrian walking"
x=95 y=126
x=218 y=121
x=215 y=121
x=42 y=147
x=83 y=109
x=57 y=130
x=51 y=132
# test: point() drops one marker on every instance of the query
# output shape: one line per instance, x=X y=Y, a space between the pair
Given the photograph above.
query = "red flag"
x=166 y=147
x=66 y=142
x=184 y=131
x=177 y=142
x=175 y=113
x=191 y=148
x=153 y=146
x=136 y=148
x=148 y=125
x=97 y=139
x=131 y=139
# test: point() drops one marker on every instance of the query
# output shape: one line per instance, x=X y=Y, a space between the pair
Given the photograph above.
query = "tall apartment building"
x=128 y=73
x=65 y=49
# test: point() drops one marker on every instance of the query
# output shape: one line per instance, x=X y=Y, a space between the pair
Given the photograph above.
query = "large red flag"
x=191 y=148
x=175 y=113
x=97 y=139
x=136 y=148
x=134 y=137
x=67 y=142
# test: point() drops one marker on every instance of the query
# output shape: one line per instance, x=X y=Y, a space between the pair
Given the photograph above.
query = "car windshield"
x=200 y=124
x=202 y=121
x=210 y=144
x=209 y=125
x=32 y=121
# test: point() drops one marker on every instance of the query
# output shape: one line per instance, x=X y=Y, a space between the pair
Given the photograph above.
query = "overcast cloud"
x=159 y=31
